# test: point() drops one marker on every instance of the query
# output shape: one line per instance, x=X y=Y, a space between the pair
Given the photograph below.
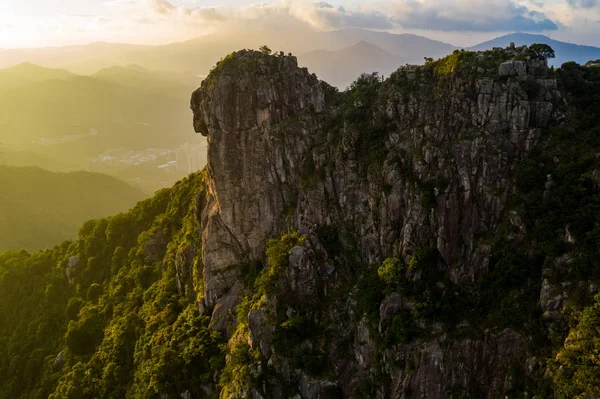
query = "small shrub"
x=265 y=50
x=94 y=292
x=402 y=329
x=391 y=271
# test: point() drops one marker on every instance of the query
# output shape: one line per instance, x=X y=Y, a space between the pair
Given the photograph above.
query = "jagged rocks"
x=425 y=162
x=436 y=369
x=252 y=165
x=261 y=332
x=513 y=68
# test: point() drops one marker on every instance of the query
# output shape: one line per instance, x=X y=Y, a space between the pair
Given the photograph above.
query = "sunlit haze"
x=308 y=199
x=38 y=23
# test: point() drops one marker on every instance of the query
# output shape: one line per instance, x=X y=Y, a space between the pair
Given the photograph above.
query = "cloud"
x=469 y=15
x=325 y=16
x=161 y=7
x=80 y=16
x=120 y=2
x=583 y=3
x=433 y=15
x=322 y=16
x=101 y=21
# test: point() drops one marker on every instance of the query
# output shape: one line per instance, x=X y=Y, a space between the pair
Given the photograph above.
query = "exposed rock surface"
x=438 y=174
x=253 y=167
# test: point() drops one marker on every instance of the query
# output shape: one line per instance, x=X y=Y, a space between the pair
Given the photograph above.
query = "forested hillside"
x=40 y=209
x=109 y=315
x=434 y=234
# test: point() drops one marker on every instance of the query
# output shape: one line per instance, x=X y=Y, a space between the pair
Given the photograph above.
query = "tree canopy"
x=543 y=50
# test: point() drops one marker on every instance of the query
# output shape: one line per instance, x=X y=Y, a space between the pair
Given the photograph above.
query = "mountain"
x=161 y=83
x=128 y=108
x=27 y=73
x=197 y=56
x=564 y=51
x=411 y=48
x=341 y=67
x=40 y=209
x=81 y=58
x=405 y=238
x=35 y=158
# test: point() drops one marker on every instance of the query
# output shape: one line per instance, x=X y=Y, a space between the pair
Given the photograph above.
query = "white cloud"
x=160 y=21
x=469 y=15
x=584 y=3
x=449 y=15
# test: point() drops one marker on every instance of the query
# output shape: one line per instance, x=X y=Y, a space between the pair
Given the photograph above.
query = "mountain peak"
x=564 y=51
x=32 y=72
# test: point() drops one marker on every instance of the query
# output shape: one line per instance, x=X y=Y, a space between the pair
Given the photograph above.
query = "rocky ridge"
x=435 y=234
x=421 y=163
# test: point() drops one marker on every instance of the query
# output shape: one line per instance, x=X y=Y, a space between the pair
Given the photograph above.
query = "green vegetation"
x=241 y=373
x=577 y=366
x=114 y=313
x=265 y=50
x=357 y=107
x=102 y=316
x=39 y=209
x=542 y=50
x=391 y=272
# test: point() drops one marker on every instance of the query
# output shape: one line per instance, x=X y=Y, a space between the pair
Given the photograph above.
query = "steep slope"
x=40 y=209
x=405 y=238
x=564 y=51
x=341 y=67
x=414 y=171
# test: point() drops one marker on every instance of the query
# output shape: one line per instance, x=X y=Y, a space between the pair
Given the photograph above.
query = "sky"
x=39 y=23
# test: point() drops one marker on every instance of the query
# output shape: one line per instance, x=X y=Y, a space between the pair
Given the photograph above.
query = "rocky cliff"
x=432 y=235
x=417 y=171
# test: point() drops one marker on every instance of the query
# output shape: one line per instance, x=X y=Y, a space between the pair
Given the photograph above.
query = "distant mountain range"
x=73 y=117
x=337 y=56
x=355 y=59
x=40 y=209
x=564 y=51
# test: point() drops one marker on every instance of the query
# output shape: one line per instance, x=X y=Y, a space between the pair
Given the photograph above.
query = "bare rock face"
x=252 y=159
x=437 y=371
x=430 y=164
x=513 y=68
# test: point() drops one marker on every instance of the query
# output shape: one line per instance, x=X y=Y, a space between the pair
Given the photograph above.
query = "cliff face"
x=418 y=169
x=432 y=235
x=253 y=162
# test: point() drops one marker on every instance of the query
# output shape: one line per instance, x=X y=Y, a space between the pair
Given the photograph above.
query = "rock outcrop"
x=425 y=160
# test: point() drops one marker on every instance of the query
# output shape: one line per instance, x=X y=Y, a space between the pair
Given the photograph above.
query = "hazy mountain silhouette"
x=39 y=208
x=79 y=58
x=29 y=73
x=73 y=117
x=196 y=56
x=564 y=51
x=411 y=48
x=343 y=66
